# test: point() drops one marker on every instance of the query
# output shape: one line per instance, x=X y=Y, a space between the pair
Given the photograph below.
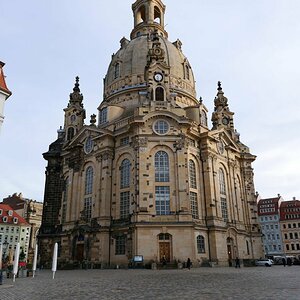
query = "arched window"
x=117 y=71
x=159 y=94
x=125 y=173
x=223 y=198
x=141 y=15
x=89 y=178
x=70 y=133
x=65 y=199
x=203 y=119
x=162 y=167
x=157 y=15
x=125 y=184
x=192 y=173
x=187 y=72
x=103 y=115
x=200 y=244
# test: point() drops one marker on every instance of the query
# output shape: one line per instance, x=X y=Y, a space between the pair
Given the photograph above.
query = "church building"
x=149 y=176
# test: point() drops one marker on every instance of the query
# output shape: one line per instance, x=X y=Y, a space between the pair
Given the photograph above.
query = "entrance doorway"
x=80 y=252
x=229 y=251
x=165 y=240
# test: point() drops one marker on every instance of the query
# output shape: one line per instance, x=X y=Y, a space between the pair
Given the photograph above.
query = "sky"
x=252 y=46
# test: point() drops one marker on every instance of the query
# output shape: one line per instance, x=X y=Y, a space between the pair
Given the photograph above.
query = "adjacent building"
x=31 y=211
x=13 y=229
x=4 y=93
x=290 y=226
x=269 y=219
x=151 y=178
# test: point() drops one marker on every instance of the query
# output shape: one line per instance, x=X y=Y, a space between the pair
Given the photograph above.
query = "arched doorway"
x=230 y=247
x=165 y=244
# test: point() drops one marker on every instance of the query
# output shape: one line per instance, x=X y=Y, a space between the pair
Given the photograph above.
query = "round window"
x=88 y=146
x=161 y=127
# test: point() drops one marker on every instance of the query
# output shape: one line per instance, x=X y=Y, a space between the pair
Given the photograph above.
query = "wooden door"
x=80 y=252
x=164 y=251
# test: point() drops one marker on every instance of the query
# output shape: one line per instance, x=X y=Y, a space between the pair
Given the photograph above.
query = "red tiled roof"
x=10 y=219
x=3 y=85
x=294 y=203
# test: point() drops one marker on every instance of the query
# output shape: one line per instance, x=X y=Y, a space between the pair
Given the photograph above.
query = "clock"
x=225 y=121
x=158 y=77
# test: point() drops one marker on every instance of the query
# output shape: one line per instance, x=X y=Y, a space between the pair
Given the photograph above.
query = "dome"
x=132 y=69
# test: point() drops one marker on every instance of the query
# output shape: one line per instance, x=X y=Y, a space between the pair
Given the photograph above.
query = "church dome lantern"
x=134 y=67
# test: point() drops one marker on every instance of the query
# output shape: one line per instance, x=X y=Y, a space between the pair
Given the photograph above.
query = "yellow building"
x=151 y=178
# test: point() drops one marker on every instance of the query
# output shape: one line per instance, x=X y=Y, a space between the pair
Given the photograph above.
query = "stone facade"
x=150 y=178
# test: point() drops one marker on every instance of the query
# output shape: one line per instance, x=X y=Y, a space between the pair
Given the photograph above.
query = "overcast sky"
x=252 y=46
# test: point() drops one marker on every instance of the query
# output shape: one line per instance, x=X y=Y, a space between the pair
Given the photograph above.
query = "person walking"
x=283 y=261
x=237 y=262
x=188 y=263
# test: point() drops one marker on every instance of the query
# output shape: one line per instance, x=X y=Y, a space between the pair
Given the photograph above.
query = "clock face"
x=225 y=121
x=158 y=77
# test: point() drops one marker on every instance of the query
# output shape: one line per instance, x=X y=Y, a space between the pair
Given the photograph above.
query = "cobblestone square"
x=256 y=283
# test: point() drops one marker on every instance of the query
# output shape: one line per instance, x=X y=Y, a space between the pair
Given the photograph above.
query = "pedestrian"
x=188 y=263
x=164 y=261
x=283 y=261
x=289 y=261
x=237 y=262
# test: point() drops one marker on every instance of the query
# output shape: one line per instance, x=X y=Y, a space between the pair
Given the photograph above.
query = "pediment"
x=86 y=131
x=223 y=136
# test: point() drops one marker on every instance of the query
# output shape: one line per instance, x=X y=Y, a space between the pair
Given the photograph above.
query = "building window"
x=103 y=116
x=161 y=167
x=124 y=204
x=286 y=236
x=120 y=245
x=194 y=205
x=125 y=173
x=4 y=219
x=298 y=246
x=248 y=249
x=124 y=141
x=89 y=145
x=70 y=133
x=203 y=119
x=161 y=127
x=296 y=235
x=159 y=94
x=223 y=199
x=117 y=71
x=289 y=225
x=200 y=244
x=89 y=178
x=192 y=173
x=293 y=247
x=187 y=72
x=288 y=247
x=162 y=200
x=65 y=198
x=1 y=212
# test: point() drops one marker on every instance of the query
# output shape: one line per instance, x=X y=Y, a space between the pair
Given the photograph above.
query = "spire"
x=222 y=116
x=76 y=97
x=148 y=16
x=3 y=87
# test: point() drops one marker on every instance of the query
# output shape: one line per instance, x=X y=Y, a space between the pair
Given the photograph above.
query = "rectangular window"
x=293 y=247
x=88 y=208
x=224 y=208
x=194 y=205
x=162 y=200
x=286 y=236
x=298 y=246
x=124 y=204
x=124 y=141
x=120 y=245
x=291 y=235
x=103 y=115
